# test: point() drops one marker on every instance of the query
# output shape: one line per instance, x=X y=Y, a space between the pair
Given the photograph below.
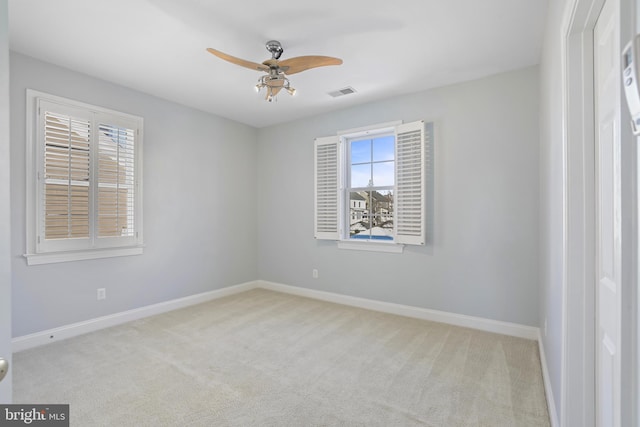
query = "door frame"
x=578 y=314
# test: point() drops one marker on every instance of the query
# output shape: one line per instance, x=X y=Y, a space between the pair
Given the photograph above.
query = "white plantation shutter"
x=86 y=189
x=327 y=207
x=116 y=181
x=66 y=176
x=410 y=183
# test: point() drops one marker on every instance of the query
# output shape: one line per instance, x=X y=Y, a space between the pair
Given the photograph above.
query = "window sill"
x=53 y=257
x=371 y=246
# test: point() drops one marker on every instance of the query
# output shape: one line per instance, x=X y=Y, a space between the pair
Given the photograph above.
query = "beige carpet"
x=263 y=358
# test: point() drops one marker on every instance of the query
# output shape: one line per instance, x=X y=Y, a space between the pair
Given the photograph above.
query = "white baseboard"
x=489 y=325
x=548 y=391
x=44 y=337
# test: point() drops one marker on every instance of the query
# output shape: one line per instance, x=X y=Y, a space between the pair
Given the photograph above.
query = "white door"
x=608 y=214
x=5 y=275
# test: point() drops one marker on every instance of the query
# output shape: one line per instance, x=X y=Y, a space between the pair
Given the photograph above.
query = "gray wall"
x=226 y=204
x=551 y=199
x=629 y=255
x=482 y=258
x=199 y=208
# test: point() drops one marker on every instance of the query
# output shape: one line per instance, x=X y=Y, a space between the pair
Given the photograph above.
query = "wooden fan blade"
x=238 y=61
x=301 y=63
x=270 y=63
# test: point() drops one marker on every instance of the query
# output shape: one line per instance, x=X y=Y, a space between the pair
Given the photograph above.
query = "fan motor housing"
x=275 y=48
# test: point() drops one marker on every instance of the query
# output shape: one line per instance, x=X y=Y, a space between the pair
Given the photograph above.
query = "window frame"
x=41 y=251
x=414 y=152
x=346 y=139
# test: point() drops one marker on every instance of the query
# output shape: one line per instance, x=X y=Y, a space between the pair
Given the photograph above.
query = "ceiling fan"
x=277 y=71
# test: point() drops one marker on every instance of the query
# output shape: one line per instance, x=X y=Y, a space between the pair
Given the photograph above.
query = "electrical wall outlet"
x=102 y=293
x=314 y=273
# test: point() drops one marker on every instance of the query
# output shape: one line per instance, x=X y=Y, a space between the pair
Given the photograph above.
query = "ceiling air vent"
x=341 y=92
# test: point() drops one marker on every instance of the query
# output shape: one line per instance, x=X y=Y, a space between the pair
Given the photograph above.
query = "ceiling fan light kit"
x=274 y=82
x=276 y=78
x=273 y=86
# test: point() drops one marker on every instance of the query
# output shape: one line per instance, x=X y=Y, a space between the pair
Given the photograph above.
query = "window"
x=370 y=185
x=84 y=174
x=370 y=182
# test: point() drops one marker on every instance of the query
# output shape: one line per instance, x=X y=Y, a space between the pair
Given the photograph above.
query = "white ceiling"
x=388 y=47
